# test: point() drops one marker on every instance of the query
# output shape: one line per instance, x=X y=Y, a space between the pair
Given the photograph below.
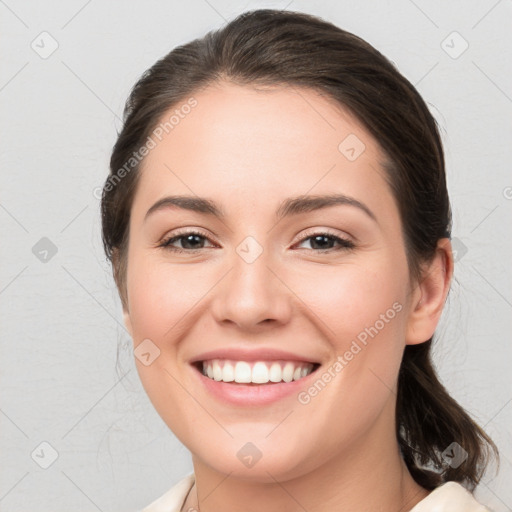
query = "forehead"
x=256 y=146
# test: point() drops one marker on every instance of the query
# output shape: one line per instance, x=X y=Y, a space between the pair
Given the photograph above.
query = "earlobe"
x=429 y=297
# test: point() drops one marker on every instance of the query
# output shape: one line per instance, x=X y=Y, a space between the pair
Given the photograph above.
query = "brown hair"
x=270 y=47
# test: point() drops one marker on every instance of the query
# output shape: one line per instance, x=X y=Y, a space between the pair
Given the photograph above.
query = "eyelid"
x=189 y=230
x=344 y=241
x=324 y=231
x=181 y=232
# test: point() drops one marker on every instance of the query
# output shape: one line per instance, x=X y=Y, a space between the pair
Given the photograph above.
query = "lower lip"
x=253 y=394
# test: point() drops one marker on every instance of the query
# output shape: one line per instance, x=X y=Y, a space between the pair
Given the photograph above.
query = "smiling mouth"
x=255 y=372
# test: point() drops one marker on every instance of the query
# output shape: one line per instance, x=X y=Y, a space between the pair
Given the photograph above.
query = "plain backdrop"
x=78 y=432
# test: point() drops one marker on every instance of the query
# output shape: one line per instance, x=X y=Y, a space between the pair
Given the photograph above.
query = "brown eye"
x=190 y=241
x=327 y=241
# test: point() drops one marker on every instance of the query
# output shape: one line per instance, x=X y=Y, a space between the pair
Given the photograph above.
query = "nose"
x=252 y=295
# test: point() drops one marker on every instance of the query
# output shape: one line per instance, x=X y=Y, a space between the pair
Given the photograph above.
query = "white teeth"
x=228 y=373
x=275 y=372
x=243 y=372
x=217 y=371
x=288 y=372
x=258 y=372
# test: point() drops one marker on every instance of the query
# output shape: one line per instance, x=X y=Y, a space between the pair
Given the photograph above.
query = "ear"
x=429 y=296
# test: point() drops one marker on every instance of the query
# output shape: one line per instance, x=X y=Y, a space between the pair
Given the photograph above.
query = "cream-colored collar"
x=449 y=497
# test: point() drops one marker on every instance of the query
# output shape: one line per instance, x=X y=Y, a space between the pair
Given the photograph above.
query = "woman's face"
x=324 y=283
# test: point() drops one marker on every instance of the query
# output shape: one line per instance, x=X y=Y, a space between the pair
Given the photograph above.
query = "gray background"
x=60 y=315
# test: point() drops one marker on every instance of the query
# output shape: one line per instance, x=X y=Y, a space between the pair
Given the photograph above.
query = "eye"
x=324 y=242
x=191 y=241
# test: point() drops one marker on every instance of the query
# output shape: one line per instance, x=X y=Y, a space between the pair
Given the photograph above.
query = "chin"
x=251 y=463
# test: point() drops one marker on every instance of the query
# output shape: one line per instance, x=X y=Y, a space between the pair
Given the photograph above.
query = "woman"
x=279 y=228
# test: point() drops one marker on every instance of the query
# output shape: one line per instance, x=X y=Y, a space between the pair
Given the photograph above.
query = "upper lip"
x=260 y=354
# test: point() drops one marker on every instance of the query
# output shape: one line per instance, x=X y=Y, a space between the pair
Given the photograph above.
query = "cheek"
x=361 y=312
x=362 y=315
x=354 y=299
x=160 y=296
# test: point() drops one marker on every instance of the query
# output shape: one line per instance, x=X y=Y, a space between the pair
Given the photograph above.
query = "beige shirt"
x=449 y=497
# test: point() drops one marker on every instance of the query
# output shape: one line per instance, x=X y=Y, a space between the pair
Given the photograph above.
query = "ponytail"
x=429 y=421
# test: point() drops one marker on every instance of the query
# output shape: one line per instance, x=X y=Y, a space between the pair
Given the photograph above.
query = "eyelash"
x=344 y=244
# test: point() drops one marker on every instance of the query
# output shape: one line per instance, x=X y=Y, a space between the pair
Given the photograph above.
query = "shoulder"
x=173 y=499
x=449 y=497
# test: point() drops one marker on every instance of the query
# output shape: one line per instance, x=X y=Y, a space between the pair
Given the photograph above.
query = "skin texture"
x=248 y=150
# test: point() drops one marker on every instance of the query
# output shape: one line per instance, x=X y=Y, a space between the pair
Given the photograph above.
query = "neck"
x=370 y=475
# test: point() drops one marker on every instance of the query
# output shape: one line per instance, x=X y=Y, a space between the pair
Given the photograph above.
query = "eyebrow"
x=291 y=206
